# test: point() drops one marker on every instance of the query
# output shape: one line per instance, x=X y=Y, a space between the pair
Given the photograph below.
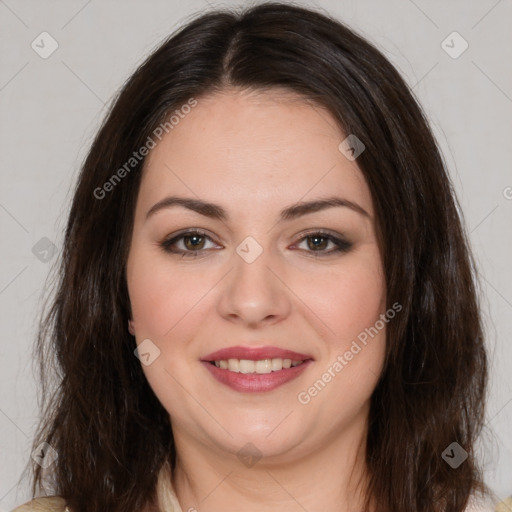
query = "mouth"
x=260 y=366
x=259 y=360
x=250 y=369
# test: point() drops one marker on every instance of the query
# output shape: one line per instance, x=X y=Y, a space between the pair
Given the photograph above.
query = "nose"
x=254 y=293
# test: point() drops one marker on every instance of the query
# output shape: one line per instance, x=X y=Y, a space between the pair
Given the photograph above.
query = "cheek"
x=349 y=298
x=355 y=346
x=149 y=297
x=160 y=297
x=162 y=302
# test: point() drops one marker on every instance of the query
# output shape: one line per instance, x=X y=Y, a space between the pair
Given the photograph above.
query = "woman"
x=267 y=298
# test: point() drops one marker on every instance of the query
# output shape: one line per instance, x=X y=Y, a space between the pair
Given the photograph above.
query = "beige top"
x=168 y=501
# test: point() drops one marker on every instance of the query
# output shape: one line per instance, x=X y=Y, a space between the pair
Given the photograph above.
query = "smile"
x=255 y=376
x=261 y=366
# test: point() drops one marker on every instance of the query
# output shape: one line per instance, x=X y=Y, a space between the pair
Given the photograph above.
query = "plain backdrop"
x=51 y=108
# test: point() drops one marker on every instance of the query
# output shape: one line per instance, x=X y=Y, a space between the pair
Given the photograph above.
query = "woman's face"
x=257 y=278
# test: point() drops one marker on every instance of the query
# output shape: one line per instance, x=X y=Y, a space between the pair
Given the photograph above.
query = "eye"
x=318 y=241
x=193 y=241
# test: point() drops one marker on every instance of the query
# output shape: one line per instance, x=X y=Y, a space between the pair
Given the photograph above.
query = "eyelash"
x=342 y=246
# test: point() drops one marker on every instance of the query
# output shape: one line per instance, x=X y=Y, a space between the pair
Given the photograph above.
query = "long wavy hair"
x=110 y=431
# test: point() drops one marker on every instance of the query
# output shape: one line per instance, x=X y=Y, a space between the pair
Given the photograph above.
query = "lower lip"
x=256 y=382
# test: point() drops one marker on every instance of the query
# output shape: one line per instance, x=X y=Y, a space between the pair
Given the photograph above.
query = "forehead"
x=263 y=147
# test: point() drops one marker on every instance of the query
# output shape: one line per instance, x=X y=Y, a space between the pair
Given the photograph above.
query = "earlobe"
x=131 y=328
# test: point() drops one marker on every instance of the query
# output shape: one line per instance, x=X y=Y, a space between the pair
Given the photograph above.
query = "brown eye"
x=318 y=242
x=192 y=242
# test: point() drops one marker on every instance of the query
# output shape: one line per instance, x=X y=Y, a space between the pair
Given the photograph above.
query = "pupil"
x=316 y=238
x=189 y=238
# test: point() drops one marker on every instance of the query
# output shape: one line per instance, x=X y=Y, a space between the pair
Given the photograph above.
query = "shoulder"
x=46 y=504
x=505 y=506
x=488 y=504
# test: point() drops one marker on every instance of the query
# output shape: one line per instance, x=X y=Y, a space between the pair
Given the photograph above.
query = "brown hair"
x=111 y=433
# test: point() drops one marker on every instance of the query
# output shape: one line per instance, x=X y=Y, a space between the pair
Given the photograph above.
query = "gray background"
x=51 y=109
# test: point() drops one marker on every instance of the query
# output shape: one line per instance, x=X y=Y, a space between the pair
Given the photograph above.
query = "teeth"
x=277 y=364
x=234 y=365
x=247 y=366
x=264 y=366
x=260 y=367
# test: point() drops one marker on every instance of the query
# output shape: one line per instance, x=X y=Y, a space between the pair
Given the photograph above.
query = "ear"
x=131 y=328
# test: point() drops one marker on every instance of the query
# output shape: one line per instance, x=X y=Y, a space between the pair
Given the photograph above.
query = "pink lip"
x=254 y=382
x=255 y=354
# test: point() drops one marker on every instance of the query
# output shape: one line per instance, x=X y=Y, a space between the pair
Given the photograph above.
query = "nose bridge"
x=252 y=278
x=253 y=293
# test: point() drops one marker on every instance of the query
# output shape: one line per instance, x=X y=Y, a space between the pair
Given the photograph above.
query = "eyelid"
x=171 y=239
x=320 y=231
x=341 y=243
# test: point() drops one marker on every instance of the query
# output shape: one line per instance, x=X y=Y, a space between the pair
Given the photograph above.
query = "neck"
x=331 y=478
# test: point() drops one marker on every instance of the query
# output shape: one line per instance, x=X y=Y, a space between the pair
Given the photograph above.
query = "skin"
x=255 y=154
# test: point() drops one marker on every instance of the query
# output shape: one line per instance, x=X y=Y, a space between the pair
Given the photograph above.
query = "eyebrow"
x=215 y=211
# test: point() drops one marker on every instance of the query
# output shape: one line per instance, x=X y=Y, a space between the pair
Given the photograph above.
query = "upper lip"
x=255 y=354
